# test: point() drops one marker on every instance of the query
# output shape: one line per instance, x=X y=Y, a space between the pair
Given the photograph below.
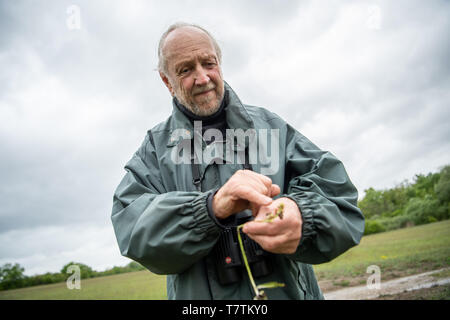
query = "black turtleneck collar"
x=220 y=113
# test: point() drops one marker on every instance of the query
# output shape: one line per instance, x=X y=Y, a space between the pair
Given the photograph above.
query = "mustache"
x=198 y=90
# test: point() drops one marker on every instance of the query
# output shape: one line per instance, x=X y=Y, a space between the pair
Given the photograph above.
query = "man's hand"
x=244 y=190
x=280 y=235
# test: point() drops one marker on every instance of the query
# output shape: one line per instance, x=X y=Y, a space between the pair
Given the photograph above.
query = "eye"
x=210 y=64
x=184 y=71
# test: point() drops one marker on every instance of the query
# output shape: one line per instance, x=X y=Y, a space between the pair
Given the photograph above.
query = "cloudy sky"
x=367 y=80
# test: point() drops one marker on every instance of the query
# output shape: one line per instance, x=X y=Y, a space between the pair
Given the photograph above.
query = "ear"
x=167 y=82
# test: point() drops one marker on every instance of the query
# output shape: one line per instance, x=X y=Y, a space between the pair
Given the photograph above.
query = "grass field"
x=397 y=253
x=134 y=285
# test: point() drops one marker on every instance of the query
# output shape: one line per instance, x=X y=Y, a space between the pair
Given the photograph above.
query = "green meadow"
x=398 y=253
x=133 y=285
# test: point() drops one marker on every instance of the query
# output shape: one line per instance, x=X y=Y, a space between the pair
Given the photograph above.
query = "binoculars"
x=227 y=256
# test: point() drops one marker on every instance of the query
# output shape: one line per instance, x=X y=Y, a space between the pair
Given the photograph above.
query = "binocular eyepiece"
x=227 y=256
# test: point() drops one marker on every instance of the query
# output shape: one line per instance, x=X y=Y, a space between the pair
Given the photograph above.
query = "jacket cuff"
x=212 y=215
x=204 y=223
x=305 y=206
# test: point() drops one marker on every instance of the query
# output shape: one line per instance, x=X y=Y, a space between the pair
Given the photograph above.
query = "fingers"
x=250 y=194
x=264 y=179
x=274 y=190
x=279 y=235
x=255 y=207
x=260 y=182
x=265 y=229
x=272 y=237
x=253 y=187
x=281 y=244
x=245 y=189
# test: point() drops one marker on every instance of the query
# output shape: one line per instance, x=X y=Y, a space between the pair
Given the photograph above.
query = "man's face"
x=193 y=72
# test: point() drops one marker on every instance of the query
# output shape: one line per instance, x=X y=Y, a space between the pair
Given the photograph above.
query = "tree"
x=85 y=271
x=373 y=226
x=11 y=276
x=424 y=210
x=442 y=188
x=372 y=203
x=134 y=266
x=424 y=185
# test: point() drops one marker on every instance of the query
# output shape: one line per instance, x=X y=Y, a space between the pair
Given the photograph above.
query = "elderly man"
x=179 y=217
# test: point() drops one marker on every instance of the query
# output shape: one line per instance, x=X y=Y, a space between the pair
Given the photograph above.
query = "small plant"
x=259 y=293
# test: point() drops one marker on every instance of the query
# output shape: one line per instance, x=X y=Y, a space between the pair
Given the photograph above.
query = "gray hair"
x=162 y=63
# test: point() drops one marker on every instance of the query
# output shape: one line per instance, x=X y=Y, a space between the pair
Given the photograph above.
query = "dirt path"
x=415 y=282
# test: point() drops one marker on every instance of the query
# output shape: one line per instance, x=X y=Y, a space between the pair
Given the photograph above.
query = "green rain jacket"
x=162 y=222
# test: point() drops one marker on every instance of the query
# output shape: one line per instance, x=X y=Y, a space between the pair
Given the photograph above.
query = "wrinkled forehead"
x=187 y=41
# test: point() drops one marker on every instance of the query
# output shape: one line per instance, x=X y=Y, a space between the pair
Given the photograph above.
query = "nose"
x=201 y=76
